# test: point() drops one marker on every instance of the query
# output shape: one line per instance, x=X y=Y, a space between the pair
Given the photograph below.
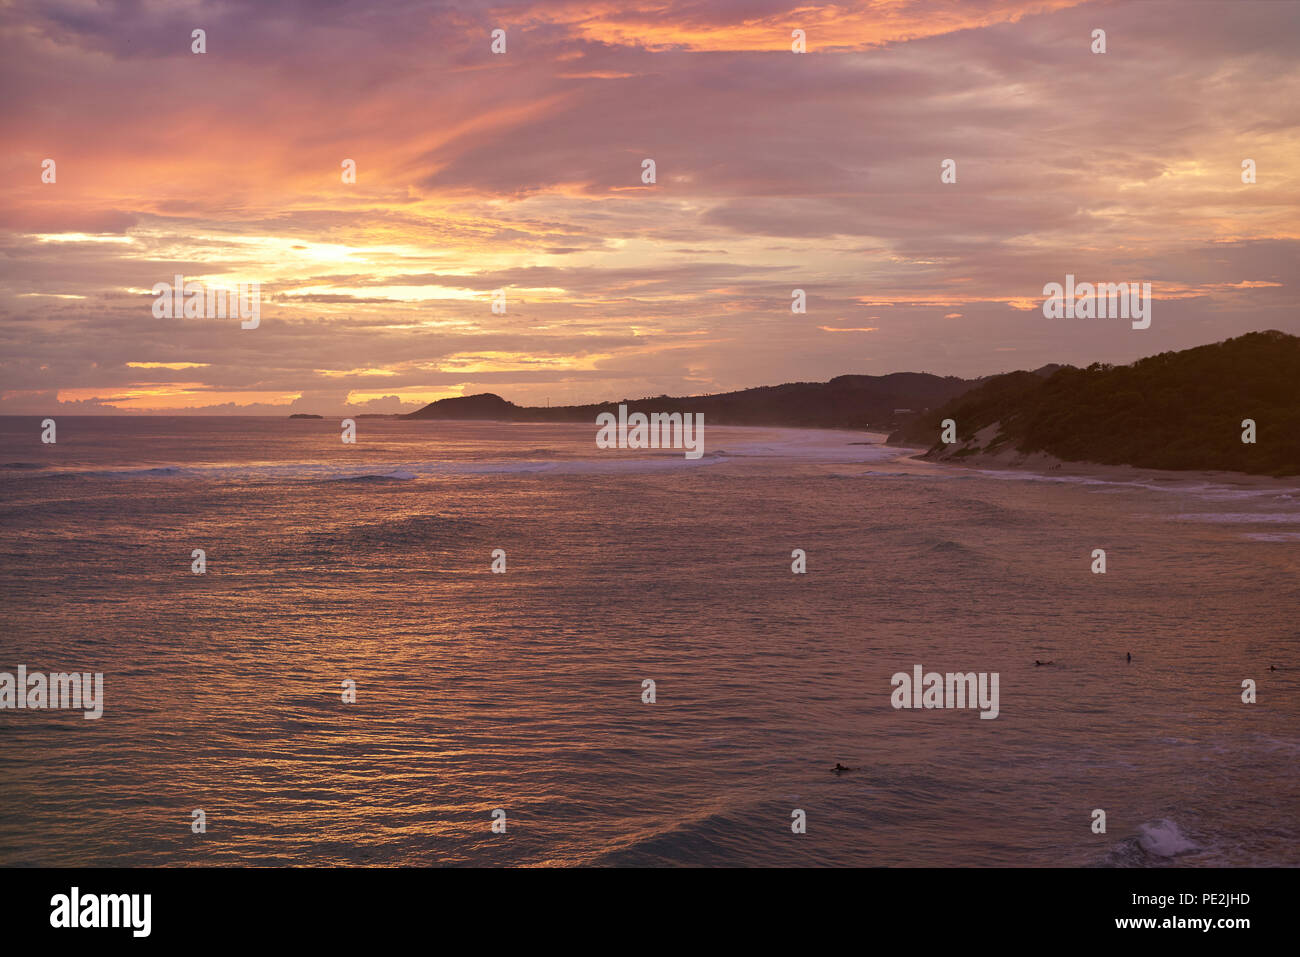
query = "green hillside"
x=1176 y=410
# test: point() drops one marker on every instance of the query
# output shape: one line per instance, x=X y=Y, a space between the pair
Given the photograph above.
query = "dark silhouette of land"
x=845 y=402
x=1175 y=410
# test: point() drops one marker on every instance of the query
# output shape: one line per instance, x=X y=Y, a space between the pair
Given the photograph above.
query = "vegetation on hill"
x=845 y=402
x=1176 y=410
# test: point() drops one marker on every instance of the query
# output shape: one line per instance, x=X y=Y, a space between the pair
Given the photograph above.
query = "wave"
x=396 y=475
x=491 y=458
x=321 y=472
x=708 y=838
x=1251 y=518
x=1156 y=842
x=161 y=471
x=1174 y=485
x=1163 y=838
x=952 y=549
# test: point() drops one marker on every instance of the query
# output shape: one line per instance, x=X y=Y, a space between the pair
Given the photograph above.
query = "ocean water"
x=522 y=691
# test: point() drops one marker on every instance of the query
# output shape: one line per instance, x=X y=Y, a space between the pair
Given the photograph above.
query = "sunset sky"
x=522 y=171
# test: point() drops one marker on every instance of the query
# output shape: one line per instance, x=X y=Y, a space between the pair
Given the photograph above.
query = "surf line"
x=950 y=690
x=661 y=430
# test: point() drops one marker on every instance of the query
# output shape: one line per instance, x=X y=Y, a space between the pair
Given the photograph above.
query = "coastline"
x=1049 y=465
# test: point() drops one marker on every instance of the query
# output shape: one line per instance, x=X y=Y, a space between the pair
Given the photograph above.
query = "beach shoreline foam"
x=1009 y=459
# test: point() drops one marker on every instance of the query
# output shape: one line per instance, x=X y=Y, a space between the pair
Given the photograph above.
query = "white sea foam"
x=743 y=444
x=1163 y=838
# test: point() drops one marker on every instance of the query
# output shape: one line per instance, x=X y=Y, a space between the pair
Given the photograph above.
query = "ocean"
x=522 y=692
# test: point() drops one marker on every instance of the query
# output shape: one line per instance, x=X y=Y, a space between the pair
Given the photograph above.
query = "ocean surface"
x=522 y=691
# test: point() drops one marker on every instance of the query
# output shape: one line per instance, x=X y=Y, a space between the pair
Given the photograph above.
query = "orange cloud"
x=827 y=26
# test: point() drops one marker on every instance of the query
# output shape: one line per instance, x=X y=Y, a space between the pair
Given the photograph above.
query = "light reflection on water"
x=523 y=691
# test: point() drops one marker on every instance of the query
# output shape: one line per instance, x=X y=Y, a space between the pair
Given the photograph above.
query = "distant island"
x=1176 y=410
x=305 y=415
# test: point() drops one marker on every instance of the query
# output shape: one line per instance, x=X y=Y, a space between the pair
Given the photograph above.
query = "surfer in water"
x=839 y=768
x=1037 y=662
x=1130 y=657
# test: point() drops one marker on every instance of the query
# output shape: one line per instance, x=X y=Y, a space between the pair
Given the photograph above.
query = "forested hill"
x=1176 y=410
x=845 y=402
